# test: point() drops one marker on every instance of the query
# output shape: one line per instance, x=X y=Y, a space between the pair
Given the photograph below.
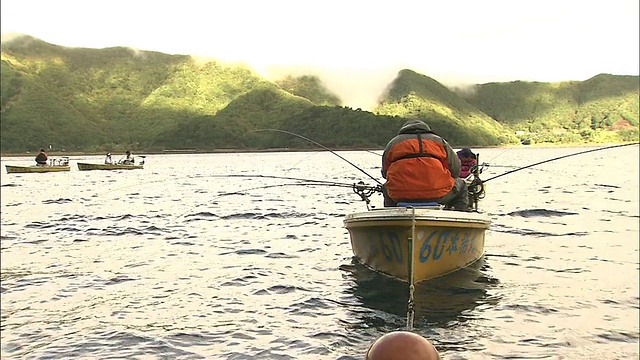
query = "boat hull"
x=11 y=169
x=88 y=166
x=414 y=245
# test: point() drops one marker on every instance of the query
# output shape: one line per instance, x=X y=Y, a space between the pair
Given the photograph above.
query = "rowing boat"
x=54 y=165
x=12 y=169
x=90 y=166
x=415 y=242
x=120 y=165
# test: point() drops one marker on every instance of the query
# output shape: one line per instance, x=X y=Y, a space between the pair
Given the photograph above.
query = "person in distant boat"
x=108 y=160
x=128 y=160
x=467 y=161
x=402 y=345
x=42 y=158
x=421 y=166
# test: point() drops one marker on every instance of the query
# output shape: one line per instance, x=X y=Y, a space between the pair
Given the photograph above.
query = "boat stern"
x=434 y=242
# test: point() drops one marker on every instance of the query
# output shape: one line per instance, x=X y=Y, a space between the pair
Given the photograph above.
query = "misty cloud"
x=356 y=88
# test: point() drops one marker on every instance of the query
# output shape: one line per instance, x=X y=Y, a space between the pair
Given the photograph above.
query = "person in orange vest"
x=420 y=166
x=42 y=158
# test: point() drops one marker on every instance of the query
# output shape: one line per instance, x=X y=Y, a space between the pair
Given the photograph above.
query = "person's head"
x=414 y=126
x=402 y=345
x=466 y=153
x=128 y=152
x=41 y=150
x=108 y=154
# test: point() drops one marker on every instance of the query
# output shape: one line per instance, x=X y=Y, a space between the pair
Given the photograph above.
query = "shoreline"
x=276 y=150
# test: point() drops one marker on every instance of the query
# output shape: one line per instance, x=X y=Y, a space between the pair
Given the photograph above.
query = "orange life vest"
x=417 y=168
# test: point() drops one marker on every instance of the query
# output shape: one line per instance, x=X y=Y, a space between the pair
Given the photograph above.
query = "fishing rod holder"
x=365 y=191
x=475 y=188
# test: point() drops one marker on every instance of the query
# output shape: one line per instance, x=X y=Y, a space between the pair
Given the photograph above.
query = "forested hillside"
x=112 y=99
x=414 y=95
x=603 y=108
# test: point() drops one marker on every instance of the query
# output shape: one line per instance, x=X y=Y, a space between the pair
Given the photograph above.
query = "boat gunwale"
x=18 y=169
x=422 y=216
x=358 y=223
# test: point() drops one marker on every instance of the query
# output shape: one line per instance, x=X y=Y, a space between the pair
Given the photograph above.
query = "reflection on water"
x=444 y=301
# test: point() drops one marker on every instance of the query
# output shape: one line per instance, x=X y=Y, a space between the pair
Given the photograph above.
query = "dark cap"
x=466 y=152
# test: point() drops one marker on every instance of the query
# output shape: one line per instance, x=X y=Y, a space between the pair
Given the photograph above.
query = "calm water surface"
x=177 y=261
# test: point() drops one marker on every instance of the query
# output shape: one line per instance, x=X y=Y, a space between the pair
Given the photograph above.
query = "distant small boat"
x=89 y=166
x=55 y=165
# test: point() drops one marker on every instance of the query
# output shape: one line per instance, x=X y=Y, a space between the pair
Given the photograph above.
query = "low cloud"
x=8 y=37
x=356 y=88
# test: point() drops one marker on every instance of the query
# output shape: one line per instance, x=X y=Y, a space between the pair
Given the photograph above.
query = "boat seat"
x=432 y=204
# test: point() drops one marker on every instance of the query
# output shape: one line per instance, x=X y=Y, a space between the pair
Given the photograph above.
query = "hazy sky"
x=358 y=45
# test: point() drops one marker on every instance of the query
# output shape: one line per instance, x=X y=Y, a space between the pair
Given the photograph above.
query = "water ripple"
x=540 y=213
x=122 y=269
x=57 y=201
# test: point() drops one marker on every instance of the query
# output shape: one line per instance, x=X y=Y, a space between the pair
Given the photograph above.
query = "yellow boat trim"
x=418 y=223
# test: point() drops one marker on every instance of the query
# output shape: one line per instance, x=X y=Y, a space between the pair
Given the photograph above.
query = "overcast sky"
x=360 y=42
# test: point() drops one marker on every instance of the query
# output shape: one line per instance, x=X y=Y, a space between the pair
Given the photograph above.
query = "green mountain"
x=114 y=98
x=309 y=87
x=246 y=123
x=603 y=108
x=234 y=126
x=413 y=95
x=118 y=98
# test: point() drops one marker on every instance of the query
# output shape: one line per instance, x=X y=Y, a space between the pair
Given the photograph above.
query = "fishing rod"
x=124 y=188
x=558 y=158
x=244 y=191
x=322 y=146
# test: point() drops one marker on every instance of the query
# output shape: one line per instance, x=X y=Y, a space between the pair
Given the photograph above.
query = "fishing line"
x=220 y=176
x=500 y=166
x=325 y=182
x=487 y=165
x=301 y=182
x=507 y=150
x=301 y=160
x=324 y=147
x=244 y=191
x=558 y=158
